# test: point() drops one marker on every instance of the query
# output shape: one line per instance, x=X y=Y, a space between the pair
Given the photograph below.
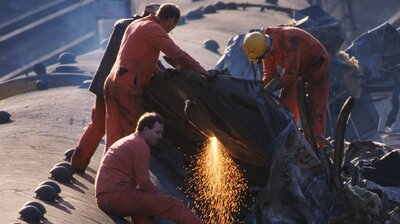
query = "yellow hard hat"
x=255 y=45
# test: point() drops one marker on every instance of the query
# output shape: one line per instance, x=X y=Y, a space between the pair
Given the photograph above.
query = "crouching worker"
x=298 y=53
x=123 y=186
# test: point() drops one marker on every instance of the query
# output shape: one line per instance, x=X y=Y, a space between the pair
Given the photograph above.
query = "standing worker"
x=123 y=185
x=95 y=131
x=298 y=53
x=132 y=71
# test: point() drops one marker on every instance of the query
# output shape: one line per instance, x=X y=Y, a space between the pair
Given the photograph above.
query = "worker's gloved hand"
x=212 y=74
x=170 y=72
x=274 y=85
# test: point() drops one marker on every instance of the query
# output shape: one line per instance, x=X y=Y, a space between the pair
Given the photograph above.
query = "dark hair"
x=148 y=120
x=167 y=11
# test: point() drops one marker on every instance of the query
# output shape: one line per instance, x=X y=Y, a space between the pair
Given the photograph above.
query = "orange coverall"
x=140 y=48
x=298 y=53
x=95 y=131
x=123 y=186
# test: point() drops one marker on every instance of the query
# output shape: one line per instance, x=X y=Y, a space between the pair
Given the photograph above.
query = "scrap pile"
x=344 y=184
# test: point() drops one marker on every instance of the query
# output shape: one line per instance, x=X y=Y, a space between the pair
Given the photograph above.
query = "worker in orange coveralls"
x=123 y=185
x=298 y=53
x=132 y=71
x=95 y=131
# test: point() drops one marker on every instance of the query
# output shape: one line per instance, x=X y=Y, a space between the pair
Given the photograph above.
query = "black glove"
x=212 y=74
x=273 y=86
x=170 y=72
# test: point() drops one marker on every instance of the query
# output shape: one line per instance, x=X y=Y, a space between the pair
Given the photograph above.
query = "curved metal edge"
x=338 y=155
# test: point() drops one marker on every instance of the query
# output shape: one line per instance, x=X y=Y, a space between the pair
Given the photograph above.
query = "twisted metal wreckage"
x=297 y=183
x=303 y=186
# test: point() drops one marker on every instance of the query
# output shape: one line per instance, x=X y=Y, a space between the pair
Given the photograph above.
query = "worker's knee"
x=114 y=204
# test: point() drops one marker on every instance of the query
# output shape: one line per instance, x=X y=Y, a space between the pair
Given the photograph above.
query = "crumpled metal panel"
x=297 y=191
x=248 y=123
x=378 y=52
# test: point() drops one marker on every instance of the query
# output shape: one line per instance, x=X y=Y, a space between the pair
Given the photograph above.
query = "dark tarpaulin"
x=235 y=61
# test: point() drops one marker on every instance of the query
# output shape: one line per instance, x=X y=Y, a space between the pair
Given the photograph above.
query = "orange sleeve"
x=171 y=50
x=291 y=61
x=141 y=169
x=270 y=69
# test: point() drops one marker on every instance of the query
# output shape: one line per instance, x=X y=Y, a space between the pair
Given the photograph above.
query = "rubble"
x=301 y=185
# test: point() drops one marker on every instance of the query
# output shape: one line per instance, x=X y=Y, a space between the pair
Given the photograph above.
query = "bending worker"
x=95 y=131
x=298 y=53
x=123 y=185
x=135 y=65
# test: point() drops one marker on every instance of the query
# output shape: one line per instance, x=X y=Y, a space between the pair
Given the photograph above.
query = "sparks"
x=217 y=185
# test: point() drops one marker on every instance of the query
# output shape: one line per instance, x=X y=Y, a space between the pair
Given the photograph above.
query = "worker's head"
x=168 y=14
x=256 y=45
x=150 y=9
x=151 y=127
